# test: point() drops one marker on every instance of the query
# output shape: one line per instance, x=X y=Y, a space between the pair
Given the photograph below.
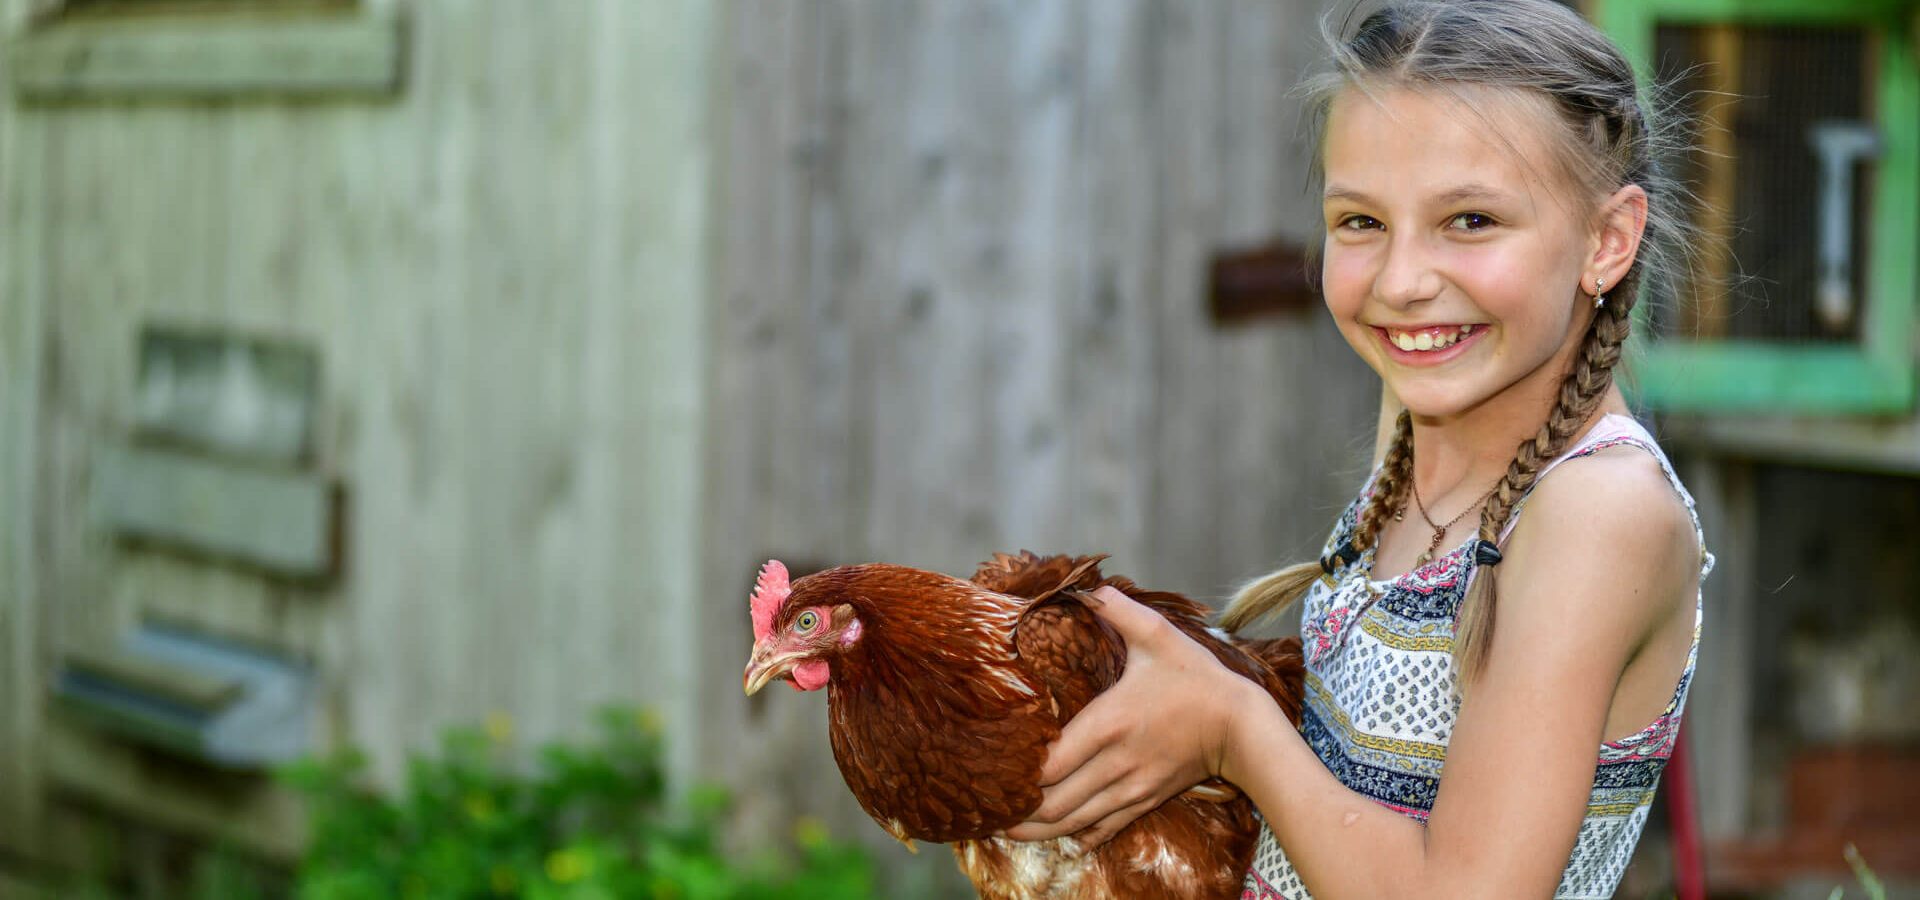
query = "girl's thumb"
x=1126 y=615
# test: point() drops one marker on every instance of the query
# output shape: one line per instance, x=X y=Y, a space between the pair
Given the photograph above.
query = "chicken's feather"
x=1069 y=649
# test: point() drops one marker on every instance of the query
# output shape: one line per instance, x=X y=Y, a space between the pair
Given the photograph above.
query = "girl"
x=1491 y=696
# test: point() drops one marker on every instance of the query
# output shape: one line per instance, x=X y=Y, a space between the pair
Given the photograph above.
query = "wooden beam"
x=1747 y=376
x=1721 y=730
x=1851 y=443
x=1719 y=188
x=200 y=57
x=245 y=810
x=283 y=521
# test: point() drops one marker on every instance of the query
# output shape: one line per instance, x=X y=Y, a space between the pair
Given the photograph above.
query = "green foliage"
x=586 y=823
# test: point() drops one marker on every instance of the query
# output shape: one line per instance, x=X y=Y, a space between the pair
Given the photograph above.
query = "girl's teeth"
x=1427 y=340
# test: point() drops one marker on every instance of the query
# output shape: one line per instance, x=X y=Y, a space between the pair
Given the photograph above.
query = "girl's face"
x=1451 y=264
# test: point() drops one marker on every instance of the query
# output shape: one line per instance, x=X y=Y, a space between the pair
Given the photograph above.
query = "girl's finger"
x=1127 y=616
x=1080 y=741
x=1104 y=830
x=1060 y=816
x=1082 y=788
x=1078 y=820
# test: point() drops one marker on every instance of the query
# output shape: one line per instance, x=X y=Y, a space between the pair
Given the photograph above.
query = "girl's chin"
x=1429 y=401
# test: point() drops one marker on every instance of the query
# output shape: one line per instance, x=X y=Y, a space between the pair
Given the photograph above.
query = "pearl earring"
x=1599 y=298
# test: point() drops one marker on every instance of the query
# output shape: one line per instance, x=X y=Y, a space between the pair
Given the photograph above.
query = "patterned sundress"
x=1381 y=696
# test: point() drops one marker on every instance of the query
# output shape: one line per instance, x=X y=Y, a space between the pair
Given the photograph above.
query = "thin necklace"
x=1440 y=531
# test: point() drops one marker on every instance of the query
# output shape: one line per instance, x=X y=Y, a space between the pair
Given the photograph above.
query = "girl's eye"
x=1472 y=221
x=806 y=622
x=1360 y=223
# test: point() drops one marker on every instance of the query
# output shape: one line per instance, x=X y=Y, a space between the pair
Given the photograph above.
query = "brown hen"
x=943 y=695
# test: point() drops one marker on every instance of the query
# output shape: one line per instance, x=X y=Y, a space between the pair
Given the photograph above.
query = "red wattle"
x=811 y=675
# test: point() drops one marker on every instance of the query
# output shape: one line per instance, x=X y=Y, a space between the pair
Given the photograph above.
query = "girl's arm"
x=1604 y=559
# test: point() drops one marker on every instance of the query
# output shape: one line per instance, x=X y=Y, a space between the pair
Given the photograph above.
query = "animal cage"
x=1808 y=169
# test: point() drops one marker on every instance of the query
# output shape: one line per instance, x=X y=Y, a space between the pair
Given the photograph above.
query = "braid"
x=1390 y=489
x=1276 y=591
x=1580 y=394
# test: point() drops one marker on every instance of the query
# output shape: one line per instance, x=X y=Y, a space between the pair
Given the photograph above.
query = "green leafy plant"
x=1869 y=882
x=579 y=823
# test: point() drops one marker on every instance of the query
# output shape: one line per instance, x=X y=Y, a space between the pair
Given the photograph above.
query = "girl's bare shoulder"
x=1608 y=531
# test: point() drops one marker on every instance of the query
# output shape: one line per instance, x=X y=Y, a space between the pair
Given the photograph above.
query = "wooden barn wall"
x=959 y=309
x=501 y=269
x=614 y=301
x=19 y=391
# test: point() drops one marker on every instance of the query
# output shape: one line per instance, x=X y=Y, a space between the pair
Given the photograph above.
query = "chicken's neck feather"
x=928 y=633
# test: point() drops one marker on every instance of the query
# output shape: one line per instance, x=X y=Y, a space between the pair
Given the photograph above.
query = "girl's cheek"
x=1344 y=283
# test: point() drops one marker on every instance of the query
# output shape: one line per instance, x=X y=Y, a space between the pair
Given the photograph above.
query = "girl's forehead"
x=1399 y=139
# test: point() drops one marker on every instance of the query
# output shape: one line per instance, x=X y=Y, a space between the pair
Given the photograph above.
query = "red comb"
x=769 y=594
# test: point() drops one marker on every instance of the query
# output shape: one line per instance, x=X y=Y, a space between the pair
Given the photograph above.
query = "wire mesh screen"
x=1784 y=169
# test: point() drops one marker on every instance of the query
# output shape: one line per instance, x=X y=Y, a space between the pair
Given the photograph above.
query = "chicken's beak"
x=767 y=665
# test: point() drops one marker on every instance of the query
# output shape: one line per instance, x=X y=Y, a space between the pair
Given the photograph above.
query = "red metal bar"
x=1683 y=821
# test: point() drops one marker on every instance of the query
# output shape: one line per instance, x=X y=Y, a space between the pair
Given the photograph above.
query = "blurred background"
x=421 y=376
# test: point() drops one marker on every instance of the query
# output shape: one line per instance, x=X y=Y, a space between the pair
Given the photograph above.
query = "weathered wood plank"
x=1108 y=353
x=241 y=810
x=1193 y=412
x=1883 y=445
x=22 y=325
x=281 y=520
x=1722 y=731
x=207 y=56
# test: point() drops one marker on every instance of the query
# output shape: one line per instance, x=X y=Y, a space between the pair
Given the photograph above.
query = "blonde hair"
x=1607 y=140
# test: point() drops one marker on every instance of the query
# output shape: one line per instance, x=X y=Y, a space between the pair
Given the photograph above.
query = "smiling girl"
x=1491 y=695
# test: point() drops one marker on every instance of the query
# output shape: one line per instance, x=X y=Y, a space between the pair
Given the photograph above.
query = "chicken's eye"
x=806 y=622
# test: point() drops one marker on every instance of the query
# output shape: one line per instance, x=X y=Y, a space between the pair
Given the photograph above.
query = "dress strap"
x=1612 y=430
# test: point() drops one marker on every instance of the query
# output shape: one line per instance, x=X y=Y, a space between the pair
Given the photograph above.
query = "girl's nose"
x=1407 y=274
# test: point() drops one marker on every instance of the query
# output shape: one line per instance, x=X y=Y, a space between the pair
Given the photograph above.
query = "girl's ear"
x=1623 y=219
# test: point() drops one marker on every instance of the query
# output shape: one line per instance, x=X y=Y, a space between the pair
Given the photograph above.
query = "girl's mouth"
x=1429 y=345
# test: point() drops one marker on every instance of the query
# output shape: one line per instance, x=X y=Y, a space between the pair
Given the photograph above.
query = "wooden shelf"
x=1878 y=444
x=91 y=58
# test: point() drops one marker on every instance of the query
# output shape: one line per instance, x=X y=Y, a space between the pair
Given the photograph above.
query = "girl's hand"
x=1163 y=728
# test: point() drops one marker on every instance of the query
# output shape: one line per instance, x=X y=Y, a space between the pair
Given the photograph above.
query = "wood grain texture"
x=615 y=301
x=21 y=653
x=208 y=57
x=503 y=271
x=959 y=310
x=278 y=520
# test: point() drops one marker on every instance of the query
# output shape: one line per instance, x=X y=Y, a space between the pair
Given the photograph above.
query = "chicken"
x=943 y=695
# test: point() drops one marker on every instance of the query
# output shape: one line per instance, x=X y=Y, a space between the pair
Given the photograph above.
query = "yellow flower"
x=479 y=806
x=499 y=726
x=809 y=831
x=566 y=866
